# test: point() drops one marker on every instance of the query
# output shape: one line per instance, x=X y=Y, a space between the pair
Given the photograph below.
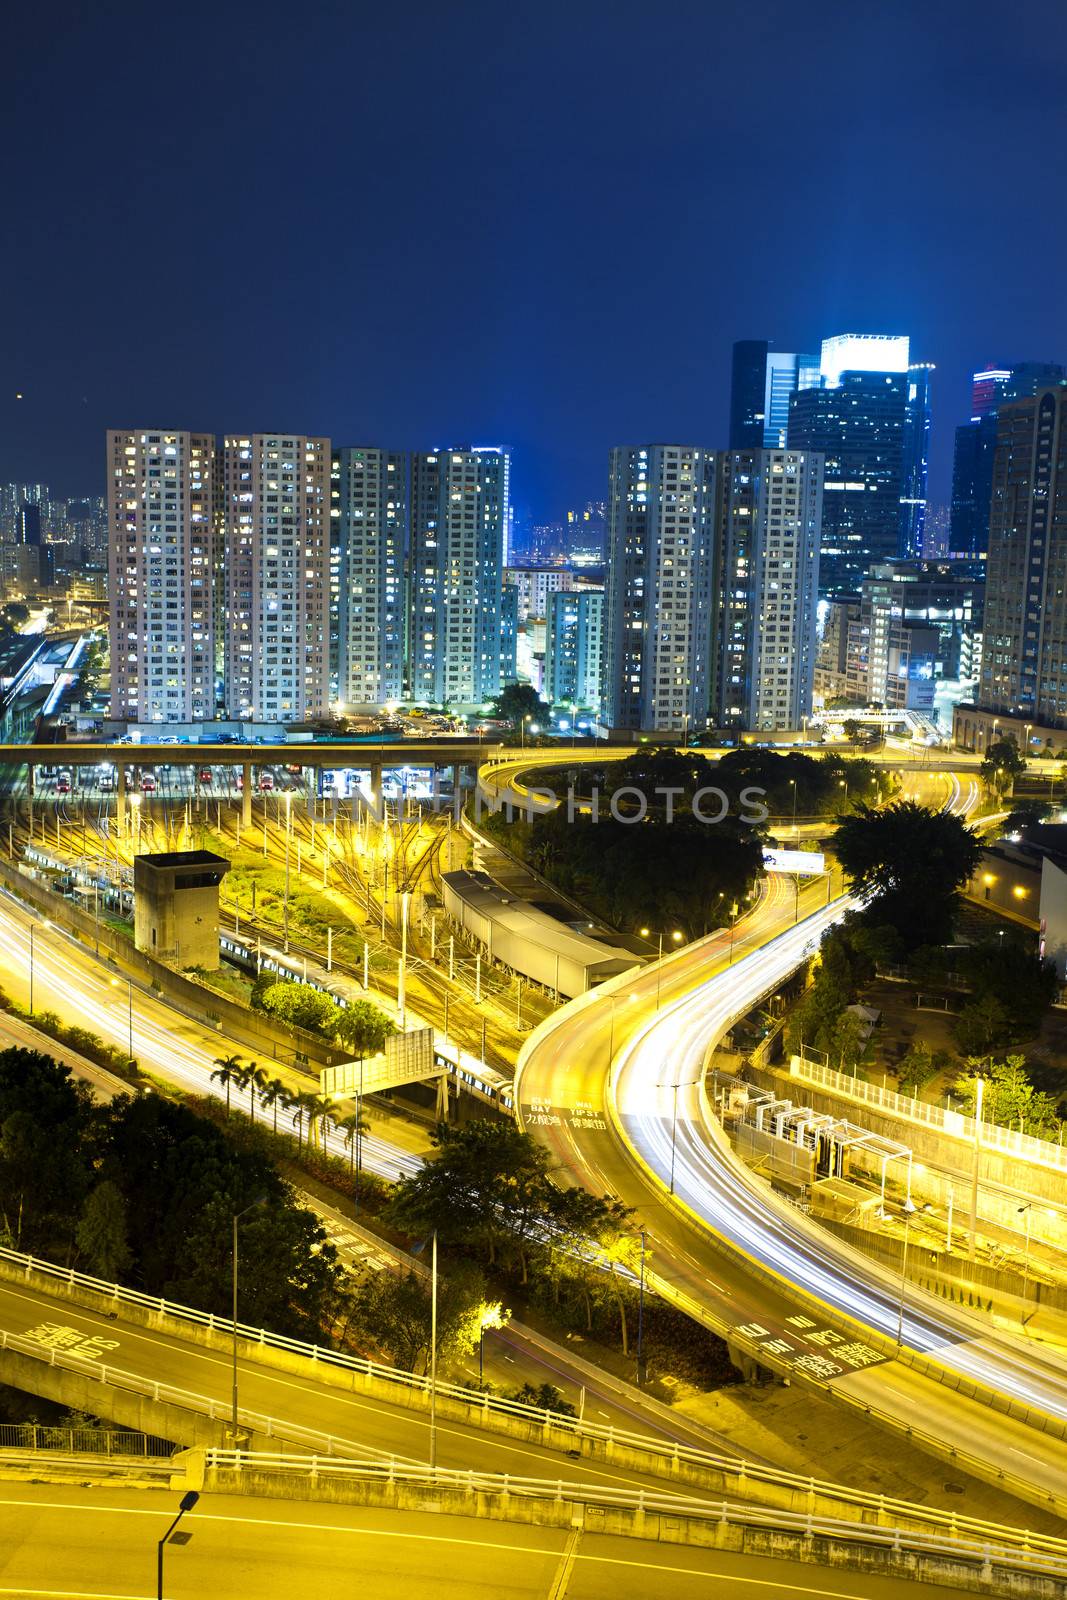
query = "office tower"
x=160 y=492
x=660 y=588
x=574 y=631
x=857 y=425
x=976 y=443
x=275 y=505
x=1024 y=657
x=762 y=381
x=767 y=536
x=28 y=524
x=936 y=543
x=587 y=534
x=369 y=521
x=916 y=458
x=459 y=510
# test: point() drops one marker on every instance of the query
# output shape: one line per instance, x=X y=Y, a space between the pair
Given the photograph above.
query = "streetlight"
x=909 y=1208
x=186 y=1503
x=116 y=983
x=258 y=1201
x=33 y=930
x=676 y=938
x=401 y=990
x=288 y=837
x=641 y=1316
x=135 y=801
x=1028 y=1207
x=979 y=1093
x=674 y=1119
x=611 y=1033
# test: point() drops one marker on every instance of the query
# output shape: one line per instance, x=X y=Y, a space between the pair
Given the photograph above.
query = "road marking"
x=289 y=1525
x=562 y=1580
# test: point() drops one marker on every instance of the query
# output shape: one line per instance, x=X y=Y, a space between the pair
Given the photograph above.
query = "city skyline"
x=461 y=317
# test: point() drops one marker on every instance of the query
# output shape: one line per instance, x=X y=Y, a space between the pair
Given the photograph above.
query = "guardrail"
x=967 y=1539
x=86 y=1441
x=989 y=1135
x=660 y=1454
x=167 y=1394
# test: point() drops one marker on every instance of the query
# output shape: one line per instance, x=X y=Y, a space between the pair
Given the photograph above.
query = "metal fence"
x=958 y=1538
x=660 y=1454
x=82 y=1441
x=988 y=1135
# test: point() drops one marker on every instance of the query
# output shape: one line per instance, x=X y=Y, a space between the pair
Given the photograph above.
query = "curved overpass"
x=612 y=1085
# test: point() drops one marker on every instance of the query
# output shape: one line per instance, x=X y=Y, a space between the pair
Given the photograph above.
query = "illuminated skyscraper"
x=275 y=506
x=976 y=443
x=574 y=635
x=916 y=459
x=369 y=518
x=459 y=512
x=160 y=571
x=660 y=588
x=767 y=533
x=1024 y=656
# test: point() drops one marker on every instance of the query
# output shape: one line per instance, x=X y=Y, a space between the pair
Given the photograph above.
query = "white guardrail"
x=967 y=1539
x=668 y=1452
x=989 y=1135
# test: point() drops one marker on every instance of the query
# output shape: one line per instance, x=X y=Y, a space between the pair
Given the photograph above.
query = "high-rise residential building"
x=459 y=511
x=916 y=459
x=161 y=561
x=767 y=535
x=574 y=634
x=660 y=588
x=535 y=585
x=275 y=521
x=976 y=443
x=509 y=635
x=369 y=522
x=1024 y=658
x=857 y=426
x=587 y=534
x=762 y=381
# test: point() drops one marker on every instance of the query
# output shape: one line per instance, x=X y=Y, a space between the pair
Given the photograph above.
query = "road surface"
x=66 y=1543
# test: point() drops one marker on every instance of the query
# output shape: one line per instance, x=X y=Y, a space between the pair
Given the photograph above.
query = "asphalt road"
x=67 y=1543
x=364 y=1425
x=710 y=1253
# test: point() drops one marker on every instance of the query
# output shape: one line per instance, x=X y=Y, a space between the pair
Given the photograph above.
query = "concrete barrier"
x=887 y=1553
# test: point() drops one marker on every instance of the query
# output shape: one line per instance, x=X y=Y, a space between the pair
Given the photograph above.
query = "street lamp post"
x=288 y=837
x=1028 y=1208
x=674 y=1120
x=258 y=1201
x=979 y=1093
x=909 y=1208
x=401 y=994
x=186 y=1503
x=641 y=1316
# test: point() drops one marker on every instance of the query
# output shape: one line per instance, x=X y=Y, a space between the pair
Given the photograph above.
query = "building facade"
x=1024 y=659
x=274 y=516
x=161 y=565
x=534 y=587
x=768 y=524
x=459 y=512
x=660 y=588
x=369 y=524
x=574 y=633
x=857 y=426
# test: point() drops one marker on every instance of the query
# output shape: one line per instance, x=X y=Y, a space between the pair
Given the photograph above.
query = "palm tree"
x=297 y=1104
x=355 y=1126
x=227 y=1071
x=318 y=1112
x=272 y=1093
x=255 y=1082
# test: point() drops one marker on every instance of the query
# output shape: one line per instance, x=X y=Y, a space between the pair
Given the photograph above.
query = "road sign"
x=408 y=1058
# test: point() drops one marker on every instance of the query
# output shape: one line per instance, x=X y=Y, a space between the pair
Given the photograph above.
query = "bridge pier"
x=376 y=791
x=246 y=795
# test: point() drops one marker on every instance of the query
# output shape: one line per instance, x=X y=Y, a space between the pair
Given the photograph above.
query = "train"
x=468 y=1072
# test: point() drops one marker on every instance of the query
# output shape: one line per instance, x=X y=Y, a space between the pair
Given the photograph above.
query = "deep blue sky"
x=541 y=224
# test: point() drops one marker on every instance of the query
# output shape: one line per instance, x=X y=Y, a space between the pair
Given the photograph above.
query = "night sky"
x=540 y=225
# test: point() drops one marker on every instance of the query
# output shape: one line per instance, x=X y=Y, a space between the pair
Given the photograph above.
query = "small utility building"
x=176 y=906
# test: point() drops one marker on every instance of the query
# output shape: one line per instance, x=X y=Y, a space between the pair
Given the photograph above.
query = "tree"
x=910 y=863
x=395 y=1313
x=227 y=1071
x=300 y=1005
x=1002 y=764
x=272 y=1094
x=355 y=1126
x=982 y=1025
x=917 y=1068
x=848 y=1041
x=1010 y=1097
x=520 y=703
x=1008 y=969
x=363 y=1028
x=101 y=1236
